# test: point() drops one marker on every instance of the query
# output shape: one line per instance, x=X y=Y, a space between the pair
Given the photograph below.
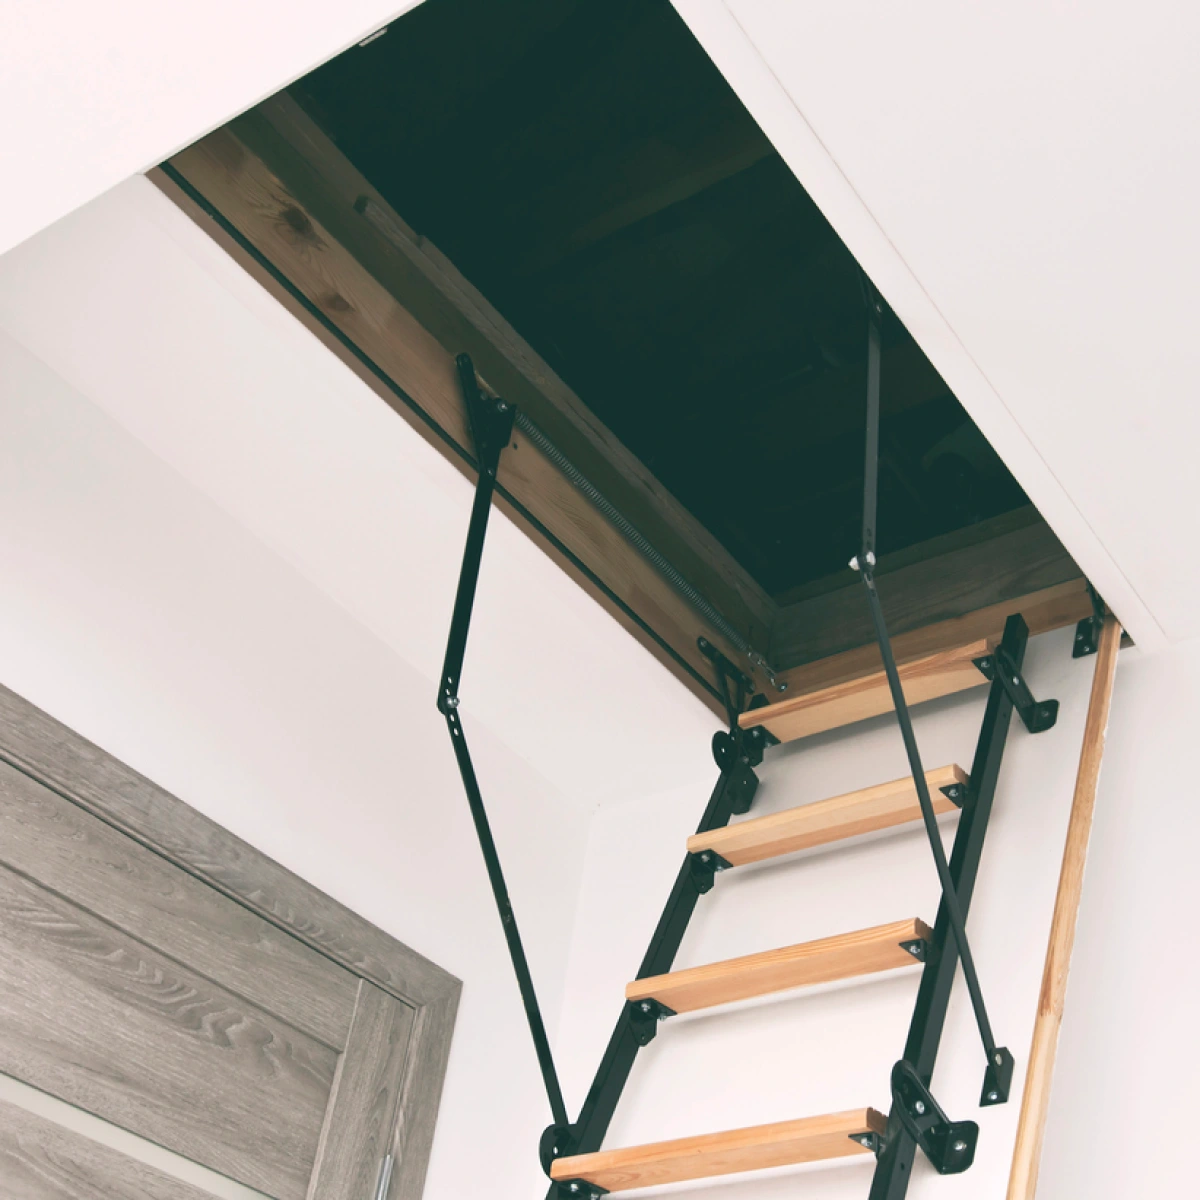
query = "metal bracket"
x=873 y=1141
x=580 y=1189
x=997 y=1079
x=919 y=948
x=1087 y=632
x=949 y=1145
x=644 y=1016
x=557 y=1141
x=727 y=673
x=704 y=866
x=956 y=793
x=1037 y=716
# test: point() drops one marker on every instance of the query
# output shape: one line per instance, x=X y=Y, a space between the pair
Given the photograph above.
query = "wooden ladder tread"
x=842 y=957
x=784 y=1143
x=864 y=811
x=846 y=701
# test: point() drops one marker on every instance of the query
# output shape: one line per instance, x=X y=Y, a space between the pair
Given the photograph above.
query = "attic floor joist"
x=290 y=207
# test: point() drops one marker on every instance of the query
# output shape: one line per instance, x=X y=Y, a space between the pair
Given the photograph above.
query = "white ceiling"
x=93 y=93
x=1021 y=181
x=141 y=312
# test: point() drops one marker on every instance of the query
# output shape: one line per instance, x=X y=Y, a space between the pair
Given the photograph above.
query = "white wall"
x=136 y=611
x=1129 y=1022
x=96 y=92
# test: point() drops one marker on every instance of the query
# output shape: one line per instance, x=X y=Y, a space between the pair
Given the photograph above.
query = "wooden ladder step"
x=781 y=1144
x=831 y=705
x=864 y=811
x=841 y=957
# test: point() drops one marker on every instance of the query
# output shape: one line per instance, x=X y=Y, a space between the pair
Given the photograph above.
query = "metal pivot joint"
x=1036 y=716
x=491 y=423
x=949 y=1145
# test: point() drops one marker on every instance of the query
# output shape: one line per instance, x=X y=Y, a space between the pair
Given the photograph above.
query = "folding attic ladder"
x=571 y=1152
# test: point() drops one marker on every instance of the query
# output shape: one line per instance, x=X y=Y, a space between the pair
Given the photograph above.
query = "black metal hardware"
x=736 y=752
x=891 y=1177
x=1037 y=717
x=919 y=948
x=491 y=423
x=644 y=1016
x=705 y=865
x=1087 y=632
x=949 y=1145
x=873 y=1141
x=955 y=793
x=577 y=1189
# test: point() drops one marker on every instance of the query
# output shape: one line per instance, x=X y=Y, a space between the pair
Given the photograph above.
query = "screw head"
x=999 y=1059
x=959 y=1147
x=919 y=1106
x=705 y=857
x=451 y=701
x=646 y=1006
x=993 y=1096
x=854 y=564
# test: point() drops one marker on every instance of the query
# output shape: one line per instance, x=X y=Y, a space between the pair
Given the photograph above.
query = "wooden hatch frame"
x=286 y=203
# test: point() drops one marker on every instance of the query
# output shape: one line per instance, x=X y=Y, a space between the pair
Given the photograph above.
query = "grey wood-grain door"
x=134 y=990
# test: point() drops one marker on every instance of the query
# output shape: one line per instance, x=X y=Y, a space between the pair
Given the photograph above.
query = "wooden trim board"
x=1035 y=1102
x=784 y=1143
x=842 y=957
x=46 y=751
x=865 y=811
x=857 y=699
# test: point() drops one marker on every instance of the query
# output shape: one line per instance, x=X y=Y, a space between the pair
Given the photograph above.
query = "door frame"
x=65 y=762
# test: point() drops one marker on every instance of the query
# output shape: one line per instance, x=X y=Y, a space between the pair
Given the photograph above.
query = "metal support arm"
x=491 y=425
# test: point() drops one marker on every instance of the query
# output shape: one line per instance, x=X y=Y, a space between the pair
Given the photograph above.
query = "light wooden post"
x=1022 y=1183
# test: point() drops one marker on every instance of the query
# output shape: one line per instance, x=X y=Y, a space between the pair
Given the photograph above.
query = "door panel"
x=50 y=839
x=40 y=1160
x=102 y=1021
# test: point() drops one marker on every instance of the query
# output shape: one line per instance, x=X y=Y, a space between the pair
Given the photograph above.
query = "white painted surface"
x=1020 y=182
x=142 y=313
x=1131 y=1004
x=139 y=613
x=93 y=93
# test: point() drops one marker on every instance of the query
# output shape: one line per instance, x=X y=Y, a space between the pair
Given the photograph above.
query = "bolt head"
x=993 y=1096
x=919 y=1106
x=854 y=564
x=959 y=1147
x=1016 y=679
x=999 y=1059
x=646 y=1006
x=451 y=701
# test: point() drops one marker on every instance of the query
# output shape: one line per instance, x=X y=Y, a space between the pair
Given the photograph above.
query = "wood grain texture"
x=809 y=1139
x=47 y=751
x=40 y=1160
x=48 y=838
x=80 y=772
x=366 y=313
x=1044 y=610
x=842 y=957
x=335 y=193
x=943 y=587
x=865 y=811
x=1035 y=1102
x=103 y=1022
x=831 y=706
x=361 y=1117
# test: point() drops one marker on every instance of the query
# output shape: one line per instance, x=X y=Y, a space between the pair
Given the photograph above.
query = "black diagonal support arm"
x=998 y=1058
x=491 y=423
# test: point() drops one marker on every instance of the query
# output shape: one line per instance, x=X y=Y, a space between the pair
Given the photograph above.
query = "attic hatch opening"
x=571 y=194
x=589 y=170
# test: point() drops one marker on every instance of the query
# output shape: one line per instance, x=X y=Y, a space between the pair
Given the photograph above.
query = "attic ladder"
x=571 y=1152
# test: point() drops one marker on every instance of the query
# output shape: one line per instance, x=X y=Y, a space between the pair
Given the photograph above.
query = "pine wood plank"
x=842 y=957
x=845 y=816
x=784 y=1143
x=845 y=702
x=1035 y=1102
